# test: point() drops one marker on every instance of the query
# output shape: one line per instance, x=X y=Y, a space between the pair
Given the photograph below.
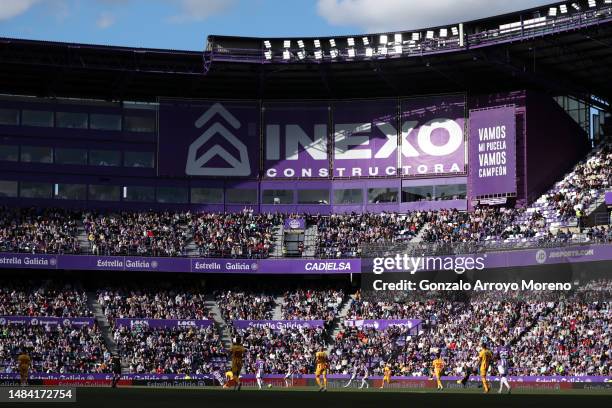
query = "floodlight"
x=382 y=50
x=333 y=53
x=317 y=43
x=398 y=49
x=350 y=41
x=300 y=43
x=397 y=38
x=552 y=12
x=563 y=8
x=332 y=42
x=301 y=54
x=429 y=35
x=576 y=6
x=416 y=36
x=286 y=55
x=366 y=41
x=268 y=55
x=287 y=44
x=444 y=32
x=267 y=44
x=382 y=39
x=318 y=54
x=369 y=52
x=592 y=3
x=351 y=53
x=455 y=30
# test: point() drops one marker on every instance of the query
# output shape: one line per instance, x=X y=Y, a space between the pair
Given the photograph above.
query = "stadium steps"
x=338 y=322
x=419 y=236
x=220 y=323
x=82 y=238
x=310 y=241
x=278 y=249
x=277 y=312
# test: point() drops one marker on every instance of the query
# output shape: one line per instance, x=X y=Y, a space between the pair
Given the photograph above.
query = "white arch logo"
x=196 y=166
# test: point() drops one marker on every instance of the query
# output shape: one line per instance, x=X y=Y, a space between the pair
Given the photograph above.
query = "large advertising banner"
x=492 y=148
x=432 y=135
x=365 y=138
x=278 y=324
x=162 y=323
x=296 y=140
x=208 y=139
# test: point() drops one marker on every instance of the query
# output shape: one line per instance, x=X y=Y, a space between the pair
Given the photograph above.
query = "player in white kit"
x=259 y=369
x=353 y=376
x=289 y=375
x=364 y=379
x=502 y=368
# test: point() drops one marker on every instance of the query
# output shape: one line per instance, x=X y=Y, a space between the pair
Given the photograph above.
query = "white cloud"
x=105 y=20
x=198 y=10
x=390 y=15
x=13 y=8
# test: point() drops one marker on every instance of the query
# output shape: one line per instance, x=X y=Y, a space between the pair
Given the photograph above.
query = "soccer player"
x=502 y=368
x=230 y=380
x=364 y=379
x=484 y=360
x=23 y=365
x=237 y=352
x=289 y=375
x=259 y=368
x=321 y=368
x=438 y=367
x=467 y=371
x=386 y=376
x=116 y=368
x=353 y=376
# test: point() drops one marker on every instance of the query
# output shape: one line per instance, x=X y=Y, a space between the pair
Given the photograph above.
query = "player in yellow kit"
x=386 y=376
x=321 y=368
x=229 y=380
x=23 y=365
x=438 y=367
x=485 y=357
x=237 y=352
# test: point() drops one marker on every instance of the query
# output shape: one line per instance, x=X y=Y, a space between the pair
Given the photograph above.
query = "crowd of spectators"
x=311 y=304
x=54 y=349
x=48 y=298
x=241 y=304
x=40 y=231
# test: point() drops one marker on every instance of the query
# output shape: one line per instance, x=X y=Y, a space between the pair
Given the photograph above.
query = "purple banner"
x=382 y=325
x=162 y=323
x=278 y=324
x=492 y=149
x=296 y=142
x=608 y=197
x=365 y=138
x=210 y=139
x=47 y=321
x=433 y=140
x=295 y=224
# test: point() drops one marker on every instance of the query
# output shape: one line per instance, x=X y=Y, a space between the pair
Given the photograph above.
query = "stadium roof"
x=572 y=56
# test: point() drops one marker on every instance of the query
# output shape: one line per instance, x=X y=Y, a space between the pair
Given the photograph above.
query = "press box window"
x=71 y=120
x=450 y=192
x=29 y=189
x=8 y=188
x=71 y=156
x=382 y=195
x=419 y=193
x=348 y=196
x=278 y=197
x=201 y=195
x=9 y=153
x=143 y=124
x=313 y=196
x=37 y=118
x=104 y=193
x=241 y=196
x=142 y=194
x=104 y=158
x=9 y=117
x=36 y=154
x=99 y=121
x=138 y=159
x=174 y=195
x=70 y=191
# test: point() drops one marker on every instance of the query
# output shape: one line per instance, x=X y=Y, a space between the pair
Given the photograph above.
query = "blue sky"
x=184 y=24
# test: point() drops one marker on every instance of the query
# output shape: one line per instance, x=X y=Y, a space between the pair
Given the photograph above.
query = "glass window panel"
x=9 y=117
x=104 y=158
x=71 y=192
x=420 y=193
x=104 y=193
x=137 y=193
x=71 y=120
x=9 y=152
x=278 y=197
x=37 y=118
x=348 y=196
x=36 y=154
x=202 y=195
x=29 y=189
x=98 y=121
x=450 y=192
x=382 y=195
x=138 y=159
x=176 y=195
x=8 y=188
x=313 y=196
x=70 y=156
x=241 y=196
x=139 y=124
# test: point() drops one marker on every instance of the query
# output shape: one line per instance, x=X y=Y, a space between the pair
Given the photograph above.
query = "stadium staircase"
x=220 y=323
x=278 y=243
x=338 y=322
x=310 y=241
x=419 y=236
x=277 y=312
x=82 y=238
